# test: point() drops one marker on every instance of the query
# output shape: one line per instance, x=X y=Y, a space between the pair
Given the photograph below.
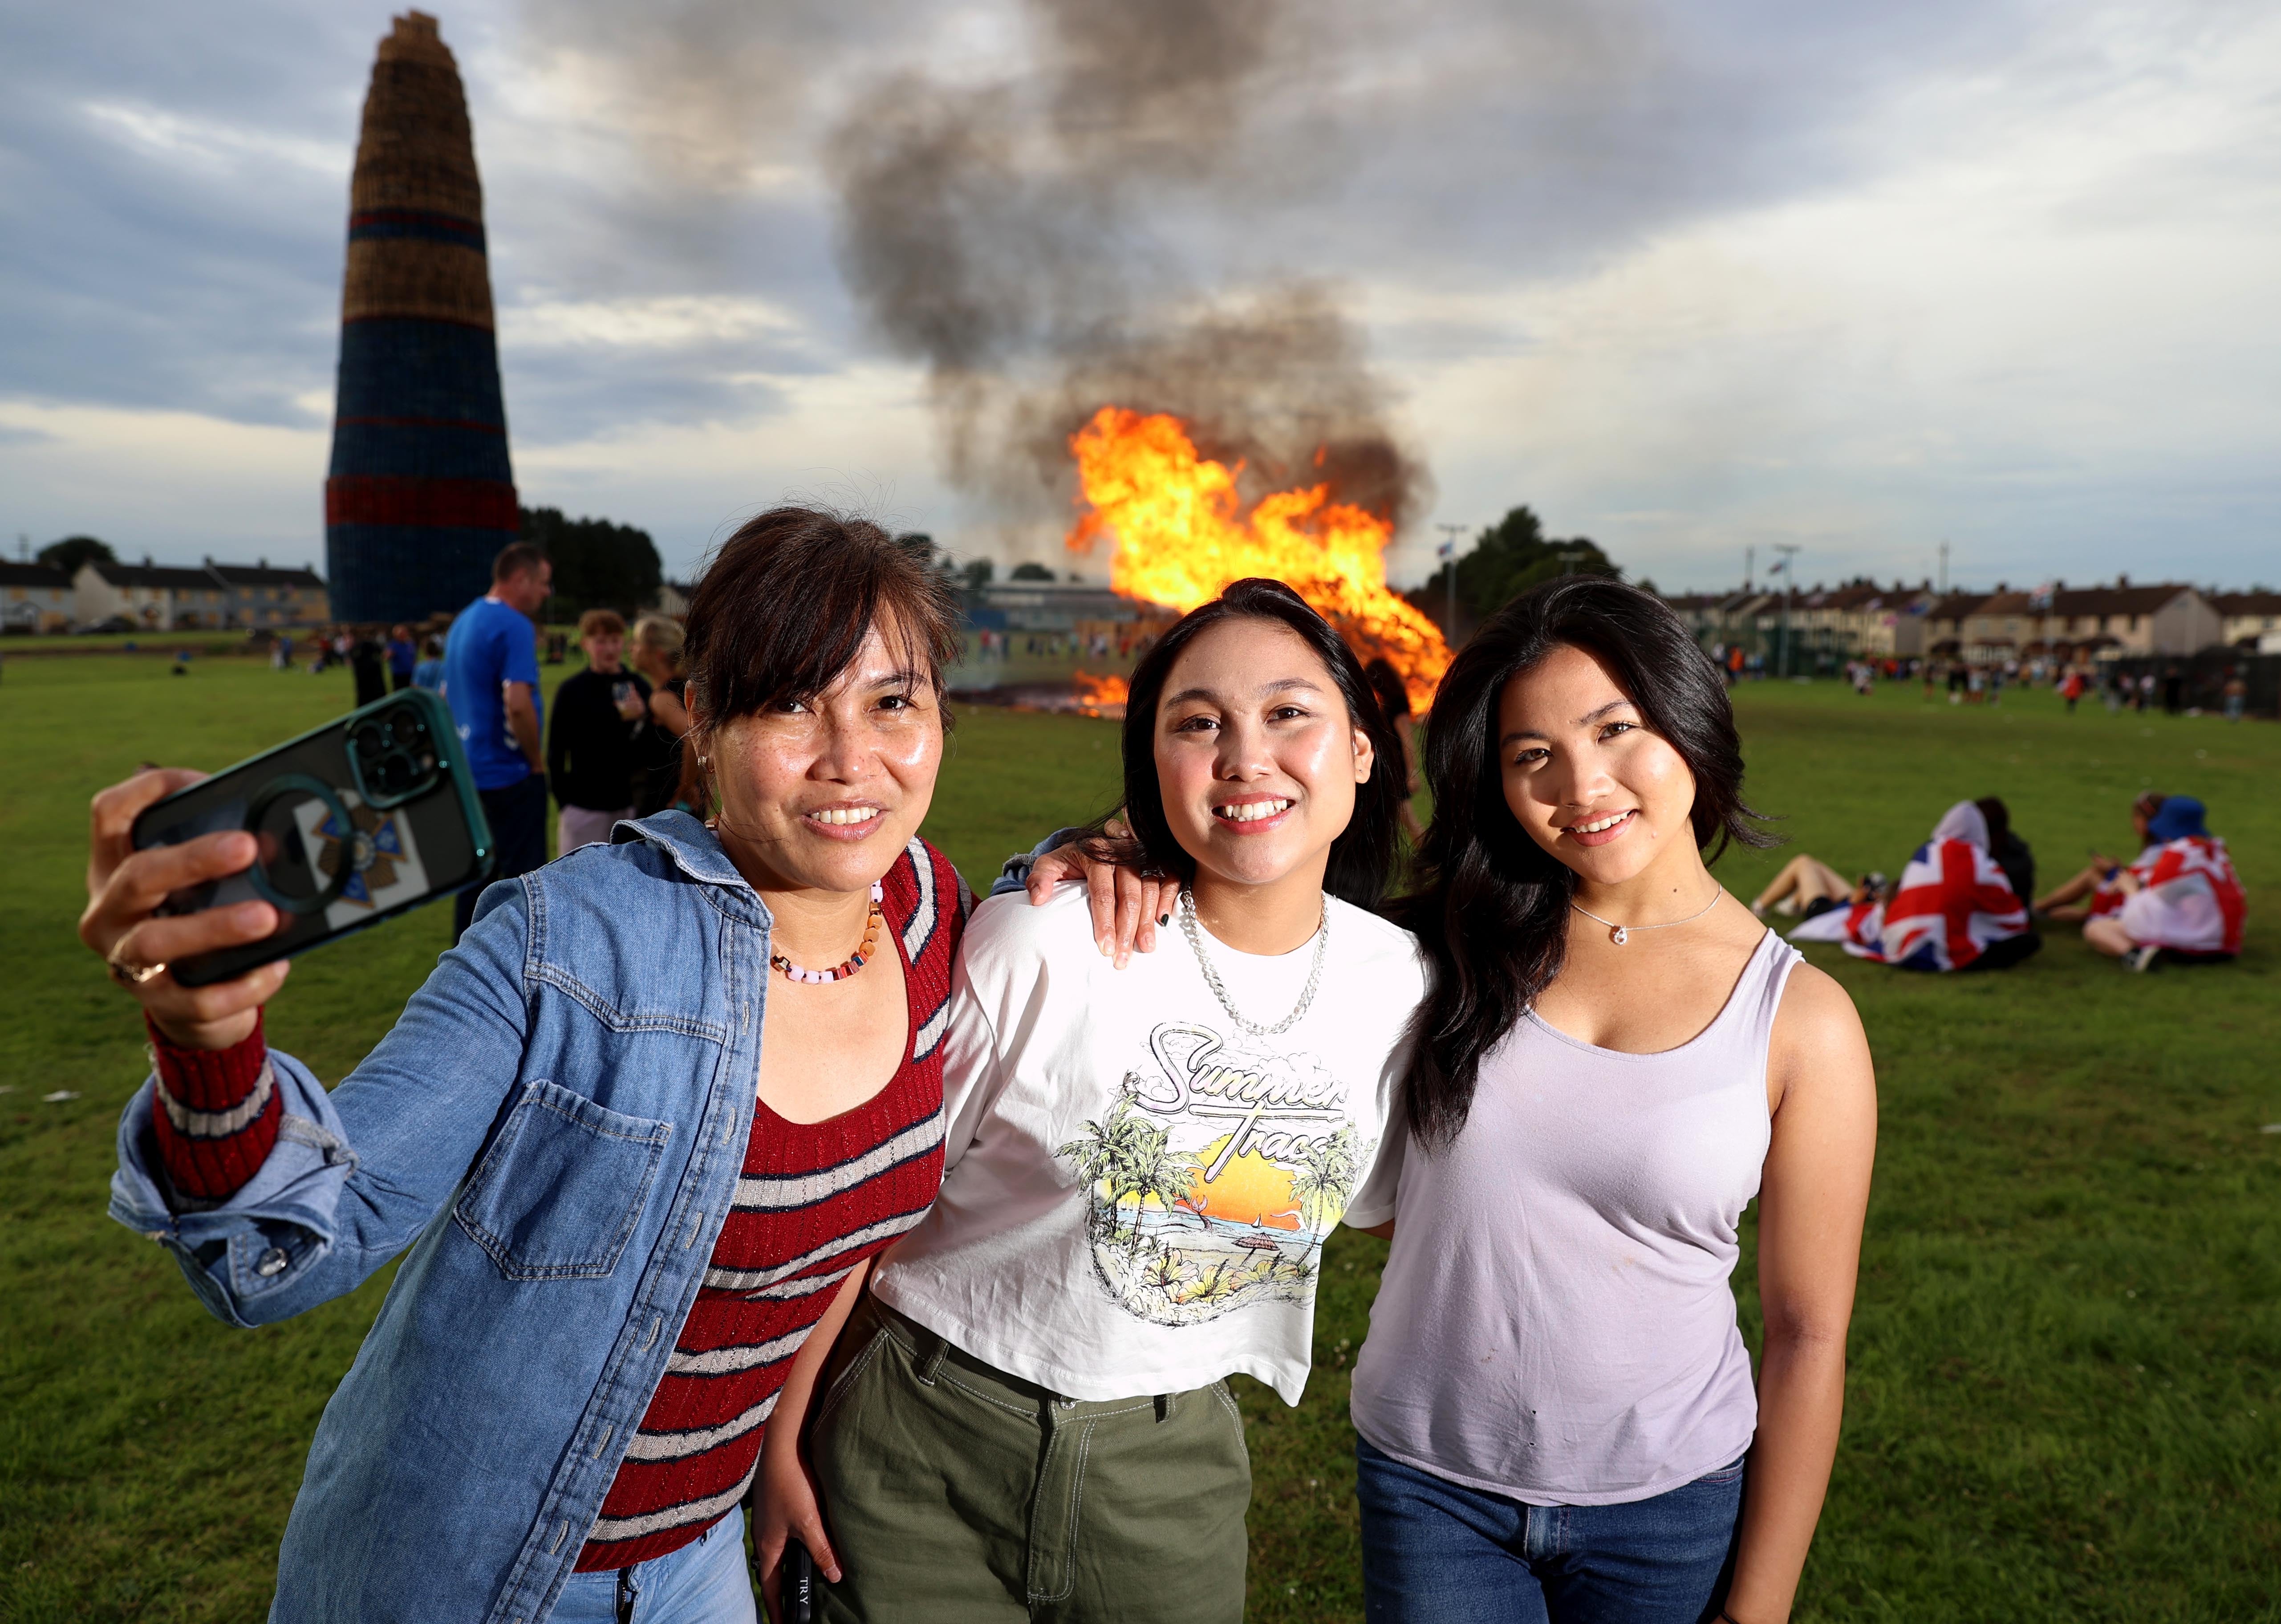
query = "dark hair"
x=1386 y=683
x=516 y=557
x=1362 y=856
x=1492 y=910
x=784 y=606
x=1998 y=817
x=601 y=623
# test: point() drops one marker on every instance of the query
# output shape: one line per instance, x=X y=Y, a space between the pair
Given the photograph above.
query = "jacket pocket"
x=559 y=1192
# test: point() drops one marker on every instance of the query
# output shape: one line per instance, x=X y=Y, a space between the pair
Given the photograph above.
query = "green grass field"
x=2065 y=1401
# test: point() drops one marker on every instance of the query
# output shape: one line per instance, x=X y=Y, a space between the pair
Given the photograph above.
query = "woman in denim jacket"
x=637 y=1133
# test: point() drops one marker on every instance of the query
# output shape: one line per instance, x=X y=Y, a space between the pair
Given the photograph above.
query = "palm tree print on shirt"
x=1205 y=1197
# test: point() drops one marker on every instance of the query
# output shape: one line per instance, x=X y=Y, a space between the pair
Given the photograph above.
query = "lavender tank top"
x=1556 y=1321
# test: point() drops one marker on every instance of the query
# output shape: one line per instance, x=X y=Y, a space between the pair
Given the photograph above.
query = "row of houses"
x=2057 y=622
x=161 y=597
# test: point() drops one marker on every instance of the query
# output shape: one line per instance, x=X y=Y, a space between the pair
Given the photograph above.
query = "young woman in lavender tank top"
x=1556 y=1415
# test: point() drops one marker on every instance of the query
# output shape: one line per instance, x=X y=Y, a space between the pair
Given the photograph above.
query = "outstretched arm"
x=1813 y=1197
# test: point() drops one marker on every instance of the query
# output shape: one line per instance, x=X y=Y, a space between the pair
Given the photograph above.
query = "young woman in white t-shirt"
x=1556 y=1408
x=1028 y=1417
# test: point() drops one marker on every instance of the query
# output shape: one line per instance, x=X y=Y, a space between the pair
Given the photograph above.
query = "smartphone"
x=796 y=1577
x=357 y=821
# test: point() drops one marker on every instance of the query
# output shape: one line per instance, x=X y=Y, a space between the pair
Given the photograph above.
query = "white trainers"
x=2141 y=959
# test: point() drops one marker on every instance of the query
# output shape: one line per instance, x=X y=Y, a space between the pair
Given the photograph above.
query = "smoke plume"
x=999 y=232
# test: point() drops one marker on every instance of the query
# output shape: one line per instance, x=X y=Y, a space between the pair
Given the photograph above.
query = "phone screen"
x=359 y=819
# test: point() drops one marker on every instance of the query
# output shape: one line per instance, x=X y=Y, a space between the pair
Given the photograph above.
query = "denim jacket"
x=554 y=1128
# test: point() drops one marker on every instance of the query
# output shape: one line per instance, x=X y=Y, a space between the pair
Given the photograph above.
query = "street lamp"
x=1449 y=551
x=1789 y=567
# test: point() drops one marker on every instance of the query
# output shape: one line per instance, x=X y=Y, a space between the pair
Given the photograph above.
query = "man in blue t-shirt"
x=490 y=681
x=403 y=655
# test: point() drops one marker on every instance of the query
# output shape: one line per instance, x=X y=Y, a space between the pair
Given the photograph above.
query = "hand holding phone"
x=796 y=1582
x=199 y=886
x=126 y=889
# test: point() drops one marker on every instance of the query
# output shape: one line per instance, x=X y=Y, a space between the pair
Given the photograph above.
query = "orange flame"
x=1173 y=516
x=1097 y=694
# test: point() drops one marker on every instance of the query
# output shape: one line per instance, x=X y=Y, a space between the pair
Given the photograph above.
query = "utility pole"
x=1749 y=566
x=1449 y=552
x=1944 y=568
x=1790 y=550
x=1567 y=559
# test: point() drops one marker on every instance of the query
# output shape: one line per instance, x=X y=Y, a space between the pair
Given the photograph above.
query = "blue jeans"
x=704 y=1582
x=1436 y=1553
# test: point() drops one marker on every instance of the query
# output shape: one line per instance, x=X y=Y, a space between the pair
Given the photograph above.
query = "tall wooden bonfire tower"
x=420 y=495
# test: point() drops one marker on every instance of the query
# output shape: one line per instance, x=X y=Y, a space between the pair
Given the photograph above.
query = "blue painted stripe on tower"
x=404 y=573
x=421 y=450
x=398 y=367
x=421 y=223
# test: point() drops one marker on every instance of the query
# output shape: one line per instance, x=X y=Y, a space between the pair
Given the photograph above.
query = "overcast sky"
x=1685 y=277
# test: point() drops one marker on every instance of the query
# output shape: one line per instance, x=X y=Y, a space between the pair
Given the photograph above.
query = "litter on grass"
x=59 y=1096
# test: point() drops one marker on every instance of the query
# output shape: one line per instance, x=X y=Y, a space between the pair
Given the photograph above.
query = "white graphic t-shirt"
x=1135 y=1194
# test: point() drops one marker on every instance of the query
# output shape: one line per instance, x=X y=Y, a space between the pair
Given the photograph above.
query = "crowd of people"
x=1966 y=899
x=746 y=1170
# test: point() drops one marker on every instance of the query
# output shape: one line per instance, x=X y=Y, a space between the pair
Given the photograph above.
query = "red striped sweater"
x=815 y=1200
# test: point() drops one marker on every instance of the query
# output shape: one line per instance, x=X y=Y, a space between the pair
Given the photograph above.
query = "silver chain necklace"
x=1620 y=934
x=1195 y=933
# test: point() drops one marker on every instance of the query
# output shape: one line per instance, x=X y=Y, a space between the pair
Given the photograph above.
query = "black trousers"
x=517 y=816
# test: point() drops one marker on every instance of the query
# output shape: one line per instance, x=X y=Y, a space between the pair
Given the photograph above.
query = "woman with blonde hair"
x=667 y=774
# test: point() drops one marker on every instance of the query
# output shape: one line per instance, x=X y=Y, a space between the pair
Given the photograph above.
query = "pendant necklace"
x=1620 y=934
x=1189 y=929
x=846 y=967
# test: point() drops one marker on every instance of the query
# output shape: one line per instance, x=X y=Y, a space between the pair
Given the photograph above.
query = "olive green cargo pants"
x=957 y=1494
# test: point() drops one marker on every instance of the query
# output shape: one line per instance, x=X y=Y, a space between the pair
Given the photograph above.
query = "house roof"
x=156 y=577
x=2104 y=600
x=261 y=575
x=1956 y=606
x=2232 y=604
x=33 y=575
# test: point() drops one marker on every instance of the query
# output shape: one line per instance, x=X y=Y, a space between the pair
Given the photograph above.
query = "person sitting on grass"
x=2185 y=905
x=2011 y=853
x=1807 y=888
x=1954 y=908
x=2093 y=891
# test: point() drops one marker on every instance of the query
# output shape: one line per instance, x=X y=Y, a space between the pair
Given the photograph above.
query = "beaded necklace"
x=854 y=960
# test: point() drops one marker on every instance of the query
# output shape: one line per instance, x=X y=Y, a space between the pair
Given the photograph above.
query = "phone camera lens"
x=369 y=741
x=406 y=728
x=395 y=775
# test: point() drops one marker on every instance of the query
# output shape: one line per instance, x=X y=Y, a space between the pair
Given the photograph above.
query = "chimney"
x=2122 y=581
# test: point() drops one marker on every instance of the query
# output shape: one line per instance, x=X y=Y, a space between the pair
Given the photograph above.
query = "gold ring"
x=131 y=975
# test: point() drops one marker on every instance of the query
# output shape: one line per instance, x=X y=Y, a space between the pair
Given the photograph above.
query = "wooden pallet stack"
x=421 y=494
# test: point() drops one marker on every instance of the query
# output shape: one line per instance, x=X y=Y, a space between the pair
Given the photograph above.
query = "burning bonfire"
x=1100 y=696
x=1180 y=537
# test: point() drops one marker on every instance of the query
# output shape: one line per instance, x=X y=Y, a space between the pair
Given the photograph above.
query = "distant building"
x=2249 y=617
x=1058 y=605
x=261 y=597
x=2070 y=624
x=155 y=597
x=34 y=598
x=673 y=597
x=212 y=598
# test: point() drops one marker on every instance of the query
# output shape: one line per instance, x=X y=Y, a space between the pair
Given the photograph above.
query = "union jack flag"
x=1953 y=905
x=2190 y=899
